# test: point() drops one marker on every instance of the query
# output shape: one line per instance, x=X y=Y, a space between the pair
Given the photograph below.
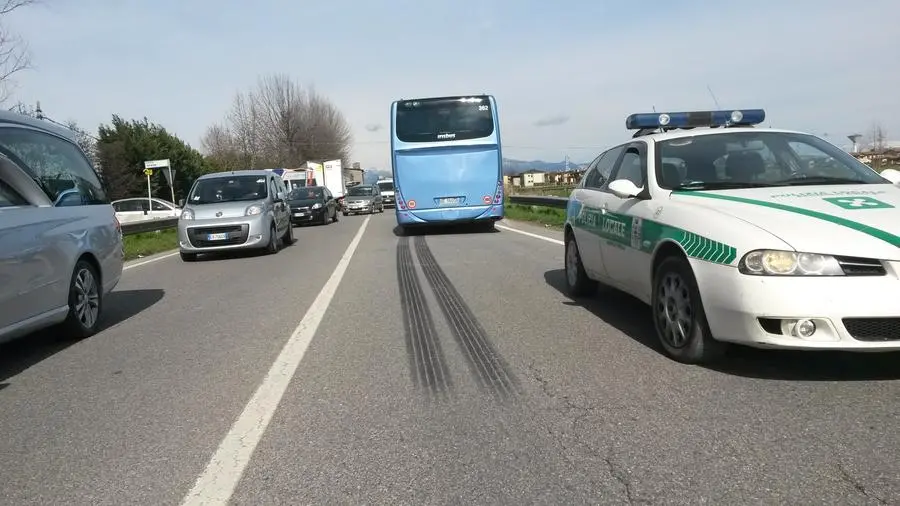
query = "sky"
x=565 y=75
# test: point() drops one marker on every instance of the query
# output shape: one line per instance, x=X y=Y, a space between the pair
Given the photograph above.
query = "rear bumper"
x=449 y=215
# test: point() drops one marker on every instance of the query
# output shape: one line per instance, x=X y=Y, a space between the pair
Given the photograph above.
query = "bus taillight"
x=498 y=197
x=401 y=204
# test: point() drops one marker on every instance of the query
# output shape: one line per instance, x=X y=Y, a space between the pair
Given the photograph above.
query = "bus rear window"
x=444 y=119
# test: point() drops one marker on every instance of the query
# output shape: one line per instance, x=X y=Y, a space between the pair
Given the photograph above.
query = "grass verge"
x=536 y=214
x=150 y=243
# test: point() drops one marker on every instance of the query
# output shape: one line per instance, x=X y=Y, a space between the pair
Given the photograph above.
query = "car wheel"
x=678 y=314
x=578 y=283
x=85 y=302
x=289 y=235
x=344 y=213
x=335 y=216
x=272 y=246
x=188 y=257
x=325 y=220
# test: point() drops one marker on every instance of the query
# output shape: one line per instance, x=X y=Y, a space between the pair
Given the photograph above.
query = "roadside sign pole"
x=162 y=164
x=172 y=185
x=149 y=172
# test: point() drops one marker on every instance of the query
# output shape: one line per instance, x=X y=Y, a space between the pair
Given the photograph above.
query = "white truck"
x=329 y=174
x=386 y=187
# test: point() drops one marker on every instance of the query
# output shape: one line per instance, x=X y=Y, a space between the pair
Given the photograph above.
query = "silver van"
x=244 y=209
x=60 y=243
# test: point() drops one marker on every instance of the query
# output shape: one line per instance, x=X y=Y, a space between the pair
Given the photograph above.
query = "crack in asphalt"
x=848 y=478
x=581 y=412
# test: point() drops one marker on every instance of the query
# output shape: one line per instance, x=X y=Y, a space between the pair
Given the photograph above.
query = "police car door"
x=585 y=217
x=621 y=227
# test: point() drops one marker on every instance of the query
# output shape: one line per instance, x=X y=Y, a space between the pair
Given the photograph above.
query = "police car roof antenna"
x=716 y=101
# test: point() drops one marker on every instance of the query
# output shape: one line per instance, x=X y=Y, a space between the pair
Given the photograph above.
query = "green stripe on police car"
x=636 y=233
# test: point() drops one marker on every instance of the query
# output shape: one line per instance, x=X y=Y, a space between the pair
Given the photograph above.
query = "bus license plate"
x=216 y=237
x=449 y=201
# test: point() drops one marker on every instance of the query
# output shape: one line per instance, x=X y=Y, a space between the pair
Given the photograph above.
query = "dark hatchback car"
x=312 y=204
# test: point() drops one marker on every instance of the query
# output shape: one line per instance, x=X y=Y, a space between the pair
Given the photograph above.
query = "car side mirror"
x=280 y=195
x=624 y=189
x=892 y=175
x=180 y=202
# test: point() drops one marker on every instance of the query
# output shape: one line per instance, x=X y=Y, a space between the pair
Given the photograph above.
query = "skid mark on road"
x=485 y=361
x=426 y=356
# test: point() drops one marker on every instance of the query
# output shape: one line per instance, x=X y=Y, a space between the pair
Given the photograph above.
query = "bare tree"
x=244 y=128
x=879 y=138
x=217 y=140
x=279 y=103
x=326 y=131
x=14 y=54
x=219 y=145
x=282 y=124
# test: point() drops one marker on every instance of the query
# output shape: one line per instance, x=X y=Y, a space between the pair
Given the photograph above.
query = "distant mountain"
x=511 y=166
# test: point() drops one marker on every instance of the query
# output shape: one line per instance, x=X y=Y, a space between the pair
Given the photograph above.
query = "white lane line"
x=224 y=471
x=529 y=234
x=150 y=261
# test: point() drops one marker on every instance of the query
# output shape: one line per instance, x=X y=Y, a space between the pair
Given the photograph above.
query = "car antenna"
x=713 y=95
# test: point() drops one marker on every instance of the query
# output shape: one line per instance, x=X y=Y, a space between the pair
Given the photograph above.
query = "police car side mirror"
x=624 y=189
x=892 y=175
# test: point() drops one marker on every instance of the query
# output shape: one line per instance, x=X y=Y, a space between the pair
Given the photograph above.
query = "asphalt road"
x=446 y=368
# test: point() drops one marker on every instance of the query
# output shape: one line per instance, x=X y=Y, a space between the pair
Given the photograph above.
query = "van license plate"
x=216 y=237
x=449 y=201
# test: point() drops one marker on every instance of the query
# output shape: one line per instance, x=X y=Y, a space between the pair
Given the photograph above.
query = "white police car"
x=762 y=237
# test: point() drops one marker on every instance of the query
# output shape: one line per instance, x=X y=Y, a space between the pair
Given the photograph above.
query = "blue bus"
x=446 y=161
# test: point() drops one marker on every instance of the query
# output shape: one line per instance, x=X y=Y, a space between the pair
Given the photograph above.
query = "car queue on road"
x=699 y=215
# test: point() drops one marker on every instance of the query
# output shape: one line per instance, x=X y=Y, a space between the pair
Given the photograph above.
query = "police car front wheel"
x=678 y=315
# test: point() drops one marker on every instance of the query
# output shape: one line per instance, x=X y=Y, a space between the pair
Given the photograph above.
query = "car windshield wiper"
x=720 y=185
x=800 y=181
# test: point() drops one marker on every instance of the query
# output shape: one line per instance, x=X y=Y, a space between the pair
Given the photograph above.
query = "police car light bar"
x=653 y=120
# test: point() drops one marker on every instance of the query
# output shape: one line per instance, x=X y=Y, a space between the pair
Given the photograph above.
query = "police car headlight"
x=767 y=262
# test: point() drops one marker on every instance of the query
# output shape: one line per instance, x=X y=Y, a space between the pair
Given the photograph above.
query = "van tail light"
x=118 y=224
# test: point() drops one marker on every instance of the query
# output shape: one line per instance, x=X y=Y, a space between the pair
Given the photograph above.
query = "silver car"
x=364 y=198
x=244 y=209
x=60 y=243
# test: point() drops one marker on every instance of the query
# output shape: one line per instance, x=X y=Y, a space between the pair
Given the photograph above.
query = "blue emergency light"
x=665 y=120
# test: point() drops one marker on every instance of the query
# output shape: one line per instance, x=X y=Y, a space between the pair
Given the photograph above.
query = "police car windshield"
x=729 y=160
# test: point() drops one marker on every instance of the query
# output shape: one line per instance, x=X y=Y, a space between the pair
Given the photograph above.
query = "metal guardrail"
x=536 y=200
x=139 y=227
